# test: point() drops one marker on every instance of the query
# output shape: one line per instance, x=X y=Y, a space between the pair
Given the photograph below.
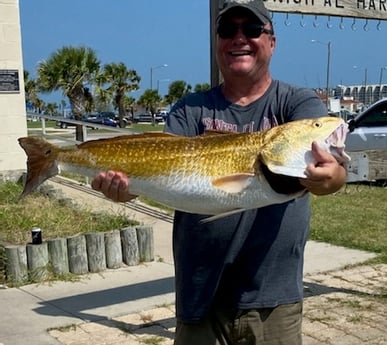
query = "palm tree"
x=176 y=90
x=150 y=99
x=119 y=80
x=70 y=69
x=202 y=87
x=129 y=103
x=31 y=92
x=51 y=108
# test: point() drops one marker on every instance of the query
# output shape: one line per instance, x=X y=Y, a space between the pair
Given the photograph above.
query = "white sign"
x=368 y=9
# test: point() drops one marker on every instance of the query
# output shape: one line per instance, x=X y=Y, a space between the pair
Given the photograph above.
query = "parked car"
x=147 y=118
x=102 y=120
x=368 y=130
x=163 y=114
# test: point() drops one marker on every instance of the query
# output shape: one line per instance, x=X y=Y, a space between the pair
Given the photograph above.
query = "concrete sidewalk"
x=29 y=311
x=337 y=311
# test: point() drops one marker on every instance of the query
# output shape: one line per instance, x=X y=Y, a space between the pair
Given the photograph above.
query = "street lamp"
x=159 y=81
x=365 y=84
x=328 y=67
x=380 y=81
x=151 y=74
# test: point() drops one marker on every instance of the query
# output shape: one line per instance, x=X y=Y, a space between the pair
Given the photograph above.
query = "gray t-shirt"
x=252 y=259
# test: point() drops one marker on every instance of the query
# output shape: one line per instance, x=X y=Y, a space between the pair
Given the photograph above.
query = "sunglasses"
x=250 y=30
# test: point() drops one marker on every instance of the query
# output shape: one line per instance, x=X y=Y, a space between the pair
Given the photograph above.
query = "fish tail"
x=41 y=162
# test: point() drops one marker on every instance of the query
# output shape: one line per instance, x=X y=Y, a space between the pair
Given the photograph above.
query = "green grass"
x=38 y=124
x=55 y=218
x=355 y=217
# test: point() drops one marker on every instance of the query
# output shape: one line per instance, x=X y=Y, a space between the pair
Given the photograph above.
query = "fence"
x=81 y=254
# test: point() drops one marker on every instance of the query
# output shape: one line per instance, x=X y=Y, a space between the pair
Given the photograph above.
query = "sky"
x=147 y=34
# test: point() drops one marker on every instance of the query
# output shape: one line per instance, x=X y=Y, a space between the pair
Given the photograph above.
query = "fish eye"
x=317 y=124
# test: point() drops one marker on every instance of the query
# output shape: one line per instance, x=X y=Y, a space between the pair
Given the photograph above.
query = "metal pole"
x=151 y=78
x=151 y=74
x=328 y=72
x=328 y=68
x=365 y=86
x=381 y=81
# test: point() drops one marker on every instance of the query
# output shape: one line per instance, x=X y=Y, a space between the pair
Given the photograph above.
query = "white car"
x=368 y=130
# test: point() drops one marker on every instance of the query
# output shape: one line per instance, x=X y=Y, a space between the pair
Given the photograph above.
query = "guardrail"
x=84 y=124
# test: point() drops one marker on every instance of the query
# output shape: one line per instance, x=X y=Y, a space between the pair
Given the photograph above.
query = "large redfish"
x=210 y=174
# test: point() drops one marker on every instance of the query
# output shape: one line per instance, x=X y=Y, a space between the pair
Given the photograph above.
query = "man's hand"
x=326 y=176
x=114 y=185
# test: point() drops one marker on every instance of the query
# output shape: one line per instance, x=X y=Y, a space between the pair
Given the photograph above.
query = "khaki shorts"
x=267 y=326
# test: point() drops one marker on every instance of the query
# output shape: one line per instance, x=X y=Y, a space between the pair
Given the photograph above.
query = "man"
x=239 y=279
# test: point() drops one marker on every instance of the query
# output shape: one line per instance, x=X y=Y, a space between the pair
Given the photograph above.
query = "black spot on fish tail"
x=282 y=184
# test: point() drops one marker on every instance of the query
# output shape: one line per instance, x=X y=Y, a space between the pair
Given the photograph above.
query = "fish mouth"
x=335 y=143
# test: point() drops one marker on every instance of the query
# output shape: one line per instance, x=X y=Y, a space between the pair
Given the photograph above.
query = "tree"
x=202 y=87
x=177 y=90
x=31 y=93
x=120 y=80
x=70 y=69
x=129 y=103
x=150 y=99
x=51 y=108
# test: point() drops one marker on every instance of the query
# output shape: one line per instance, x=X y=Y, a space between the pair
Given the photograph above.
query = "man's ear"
x=273 y=43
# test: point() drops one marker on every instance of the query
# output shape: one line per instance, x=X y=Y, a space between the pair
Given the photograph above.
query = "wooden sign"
x=367 y=9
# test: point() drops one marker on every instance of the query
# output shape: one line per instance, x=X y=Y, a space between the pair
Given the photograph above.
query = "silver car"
x=368 y=130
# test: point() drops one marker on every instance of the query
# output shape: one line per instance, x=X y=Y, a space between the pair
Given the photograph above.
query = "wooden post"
x=76 y=247
x=37 y=260
x=129 y=246
x=58 y=255
x=145 y=243
x=214 y=10
x=16 y=264
x=95 y=246
x=113 y=249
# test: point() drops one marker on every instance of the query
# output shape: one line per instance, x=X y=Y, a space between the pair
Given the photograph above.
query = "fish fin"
x=41 y=162
x=122 y=138
x=156 y=135
x=221 y=215
x=286 y=170
x=235 y=183
x=209 y=132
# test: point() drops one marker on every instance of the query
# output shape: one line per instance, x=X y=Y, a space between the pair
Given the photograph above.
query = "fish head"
x=287 y=148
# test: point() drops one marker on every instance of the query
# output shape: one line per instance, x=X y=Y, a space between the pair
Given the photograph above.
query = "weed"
x=354 y=318
x=68 y=328
x=155 y=340
x=146 y=318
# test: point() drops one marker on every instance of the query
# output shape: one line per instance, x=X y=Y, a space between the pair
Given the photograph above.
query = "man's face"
x=240 y=55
